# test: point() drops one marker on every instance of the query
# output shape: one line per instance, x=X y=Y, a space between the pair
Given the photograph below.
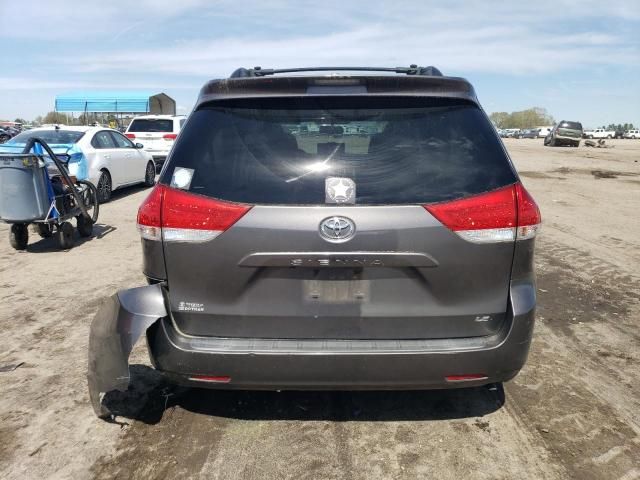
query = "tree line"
x=65 y=119
x=620 y=127
x=539 y=117
x=530 y=118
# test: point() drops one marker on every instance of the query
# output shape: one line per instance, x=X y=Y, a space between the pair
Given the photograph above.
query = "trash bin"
x=24 y=189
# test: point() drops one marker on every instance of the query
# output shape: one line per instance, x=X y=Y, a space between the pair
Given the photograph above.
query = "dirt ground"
x=573 y=412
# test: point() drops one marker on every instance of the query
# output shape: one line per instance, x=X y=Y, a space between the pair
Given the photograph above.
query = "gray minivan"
x=359 y=230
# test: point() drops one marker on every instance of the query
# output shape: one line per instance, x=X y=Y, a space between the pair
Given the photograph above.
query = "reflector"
x=210 y=379
x=466 y=377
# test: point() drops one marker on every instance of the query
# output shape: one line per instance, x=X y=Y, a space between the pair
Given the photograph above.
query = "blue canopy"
x=116 y=102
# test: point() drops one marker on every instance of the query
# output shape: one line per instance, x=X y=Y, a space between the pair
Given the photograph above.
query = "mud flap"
x=119 y=323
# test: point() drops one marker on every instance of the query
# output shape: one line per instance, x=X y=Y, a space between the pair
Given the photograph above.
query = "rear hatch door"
x=323 y=233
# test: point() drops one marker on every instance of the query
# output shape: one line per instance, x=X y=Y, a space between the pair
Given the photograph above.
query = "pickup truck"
x=599 y=133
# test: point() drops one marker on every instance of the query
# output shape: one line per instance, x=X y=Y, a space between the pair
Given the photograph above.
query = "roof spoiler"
x=261 y=72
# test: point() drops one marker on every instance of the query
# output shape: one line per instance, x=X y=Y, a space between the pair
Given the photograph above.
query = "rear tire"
x=64 y=235
x=19 y=236
x=89 y=196
x=150 y=175
x=591 y=137
x=609 y=137
x=104 y=187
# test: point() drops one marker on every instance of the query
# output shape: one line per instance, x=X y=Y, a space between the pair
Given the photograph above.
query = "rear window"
x=50 y=136
x=571 y=125
x=151 y=125
x=386 y=151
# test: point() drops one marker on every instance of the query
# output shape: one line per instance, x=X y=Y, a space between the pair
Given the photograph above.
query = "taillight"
x=502 y=215
x=170 y=136
x=529 y=218
x=150 y=215
x=177 y=216
x=130 y=135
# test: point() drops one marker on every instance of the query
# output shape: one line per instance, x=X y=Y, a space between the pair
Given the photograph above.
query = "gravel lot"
x=573 y=412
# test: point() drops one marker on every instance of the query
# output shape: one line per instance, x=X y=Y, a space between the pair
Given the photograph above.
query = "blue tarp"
x=77 y=163
x=116 y=102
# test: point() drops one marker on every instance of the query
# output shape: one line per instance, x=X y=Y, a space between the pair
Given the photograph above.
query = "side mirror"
x=139 y=145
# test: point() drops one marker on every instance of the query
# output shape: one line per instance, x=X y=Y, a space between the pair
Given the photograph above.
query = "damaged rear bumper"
x=116 y=328
x=285 y=364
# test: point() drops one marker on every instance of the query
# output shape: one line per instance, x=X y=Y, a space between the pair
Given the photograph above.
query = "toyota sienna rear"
x=349 y=231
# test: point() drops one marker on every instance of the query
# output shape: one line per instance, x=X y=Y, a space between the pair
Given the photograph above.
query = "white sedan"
x=101 y=155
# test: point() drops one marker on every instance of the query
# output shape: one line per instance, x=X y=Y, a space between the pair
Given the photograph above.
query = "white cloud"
x=492 y=48
x=82 y=20
x=178 y=44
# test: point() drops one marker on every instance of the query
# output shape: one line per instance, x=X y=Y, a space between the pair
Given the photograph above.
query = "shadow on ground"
x=47 y=245
x=150 y=396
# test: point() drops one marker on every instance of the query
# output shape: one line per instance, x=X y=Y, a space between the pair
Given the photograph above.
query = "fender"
x=117 y=326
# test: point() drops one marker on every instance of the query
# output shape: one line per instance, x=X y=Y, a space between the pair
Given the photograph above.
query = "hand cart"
x=45 y=195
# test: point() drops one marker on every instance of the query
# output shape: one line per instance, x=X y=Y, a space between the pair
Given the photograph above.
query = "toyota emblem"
x=337 y=229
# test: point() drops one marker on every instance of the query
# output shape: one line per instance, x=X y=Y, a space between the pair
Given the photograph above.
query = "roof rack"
x=261 y=72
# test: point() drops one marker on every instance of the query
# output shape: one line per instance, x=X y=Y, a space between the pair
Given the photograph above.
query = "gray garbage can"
x=23 y=188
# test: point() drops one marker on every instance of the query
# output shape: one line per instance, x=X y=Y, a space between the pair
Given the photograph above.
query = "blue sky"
x=580 y=60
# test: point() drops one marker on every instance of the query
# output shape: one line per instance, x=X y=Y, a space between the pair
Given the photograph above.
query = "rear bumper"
x=346 y=364
x=299 y=364
x=565 y=139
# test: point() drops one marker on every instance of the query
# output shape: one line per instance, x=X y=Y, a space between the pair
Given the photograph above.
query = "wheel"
x=150 y=175
x=104 y=187
x=19 y=236
x=576 y=144
x=64 y=235
x=89 y=195
x=85 y=227
x=609 y=137
x=44 y=230
x=591 y=137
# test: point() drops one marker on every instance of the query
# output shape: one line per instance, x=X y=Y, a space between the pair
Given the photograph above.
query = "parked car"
x=112 y=160
x=632 y=134
x=4 y=135
x=511 y=132
x=528 y=133
x=543 y=131
x=322 y=261
x=564 y=133
x=157 y=133
x=599 y=133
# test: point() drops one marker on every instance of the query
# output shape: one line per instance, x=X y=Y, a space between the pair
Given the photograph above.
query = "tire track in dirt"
x=580 y=387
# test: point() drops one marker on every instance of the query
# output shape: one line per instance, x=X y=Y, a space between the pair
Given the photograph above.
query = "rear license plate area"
x=337 y=291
